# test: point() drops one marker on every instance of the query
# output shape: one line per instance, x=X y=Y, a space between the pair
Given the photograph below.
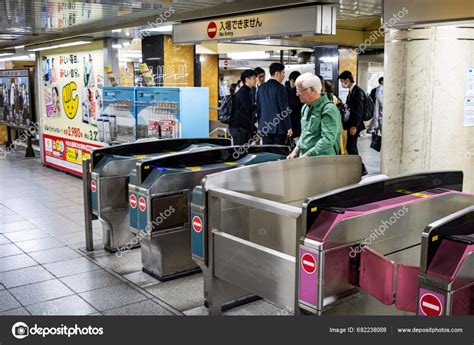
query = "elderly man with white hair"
x=321 y=125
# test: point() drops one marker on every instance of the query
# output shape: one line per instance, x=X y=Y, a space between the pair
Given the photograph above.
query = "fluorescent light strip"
x=70 y=44
x=16 y=58
x=165 y=28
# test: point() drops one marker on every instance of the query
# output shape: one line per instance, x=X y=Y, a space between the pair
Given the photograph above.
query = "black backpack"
x=368 y=108
x=225 y=110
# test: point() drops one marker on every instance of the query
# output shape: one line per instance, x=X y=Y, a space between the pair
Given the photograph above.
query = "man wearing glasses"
x=321 y=125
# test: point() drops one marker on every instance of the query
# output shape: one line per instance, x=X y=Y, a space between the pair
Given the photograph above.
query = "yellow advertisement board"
x=71 y=102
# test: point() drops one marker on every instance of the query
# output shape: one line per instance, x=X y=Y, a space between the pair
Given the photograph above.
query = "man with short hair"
x=321 y=125
x=242 y=122
x=260 y=72
x=273 y=113
x=356 y=104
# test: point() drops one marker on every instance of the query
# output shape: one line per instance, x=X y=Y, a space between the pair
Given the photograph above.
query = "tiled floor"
x=44 y=269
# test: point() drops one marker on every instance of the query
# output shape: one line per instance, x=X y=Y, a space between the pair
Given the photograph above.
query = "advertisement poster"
x=15 y=105
x=72 y=83
x=325 y=70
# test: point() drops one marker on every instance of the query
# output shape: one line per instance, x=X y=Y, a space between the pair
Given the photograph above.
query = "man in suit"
x=260 y=72
x=273 y=113
x=356 y=104
x=242 y=122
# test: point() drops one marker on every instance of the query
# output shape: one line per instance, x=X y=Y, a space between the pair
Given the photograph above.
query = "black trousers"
x=351 y=146
x=241 y=136
x=275 y=139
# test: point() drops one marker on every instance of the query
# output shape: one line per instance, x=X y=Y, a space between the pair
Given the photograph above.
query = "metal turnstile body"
x=108 y=186
x=160 y=202
x=446 y=279
x=251 y=222
x=361 y=249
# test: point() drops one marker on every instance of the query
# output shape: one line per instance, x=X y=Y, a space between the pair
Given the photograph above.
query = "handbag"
x=376 y=143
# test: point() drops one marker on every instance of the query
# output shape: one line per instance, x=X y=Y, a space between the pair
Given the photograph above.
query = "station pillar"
x=426 y=125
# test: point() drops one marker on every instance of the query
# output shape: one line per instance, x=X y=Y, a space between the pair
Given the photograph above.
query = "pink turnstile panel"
x=448 y=259
x=463 y=301
x=407 y=288
x=376 y=275
x=328 y=220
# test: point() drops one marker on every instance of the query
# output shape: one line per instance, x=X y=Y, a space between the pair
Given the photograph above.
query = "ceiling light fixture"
x=165 y=28
x=60 y=44
x=254 y=55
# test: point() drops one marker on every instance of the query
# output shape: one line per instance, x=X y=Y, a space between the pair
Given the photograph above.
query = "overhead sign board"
x=312 y=20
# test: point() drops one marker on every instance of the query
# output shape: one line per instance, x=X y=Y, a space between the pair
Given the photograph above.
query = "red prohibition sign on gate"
x=308 y=263
x=430 y=305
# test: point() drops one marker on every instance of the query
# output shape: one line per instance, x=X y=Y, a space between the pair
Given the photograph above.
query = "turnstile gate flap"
x=351 y=201
x=227 y=156
x=407 y=288
x=169 y=212
x=448 y=259
x=456 y=228
x=153 y=146
x=463 y=301
x=376 y=275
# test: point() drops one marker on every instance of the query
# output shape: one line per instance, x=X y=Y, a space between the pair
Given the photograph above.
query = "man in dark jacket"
x=356 y=104
x=241 y=126
x=294 y=103
x=274 y=123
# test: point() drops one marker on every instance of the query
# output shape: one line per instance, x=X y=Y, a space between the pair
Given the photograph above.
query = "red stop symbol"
x=308 y=263
x=197 y=224
x=93 y=186
x=133 y=201
x=430 y=305
x=142 y=204
x=212 y=30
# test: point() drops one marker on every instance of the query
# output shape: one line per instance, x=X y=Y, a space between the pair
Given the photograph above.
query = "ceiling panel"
x=37 y=21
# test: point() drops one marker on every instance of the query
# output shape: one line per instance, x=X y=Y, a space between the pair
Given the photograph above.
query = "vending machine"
x=118 y=120
x=175 y=112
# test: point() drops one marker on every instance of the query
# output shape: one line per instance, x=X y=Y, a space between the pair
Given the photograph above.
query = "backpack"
x=340 y=106
x=225 y=110
x=368 y=108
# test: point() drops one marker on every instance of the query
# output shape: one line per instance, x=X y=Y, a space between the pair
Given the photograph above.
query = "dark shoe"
x=364 y=170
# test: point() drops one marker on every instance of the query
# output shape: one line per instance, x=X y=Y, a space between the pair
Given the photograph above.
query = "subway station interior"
x=129 y=184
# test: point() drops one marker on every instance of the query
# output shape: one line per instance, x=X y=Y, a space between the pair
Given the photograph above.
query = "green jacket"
x=321 y=128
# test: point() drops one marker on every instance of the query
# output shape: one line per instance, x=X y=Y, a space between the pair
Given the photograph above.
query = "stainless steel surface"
x=112 y=177
x=167 y=253
x=433 y=226
x=88 y=216
x=464 y=278
x=400 y=243
x=166 y=257
x=255 y=256
x=358 y=228
x=241 y=263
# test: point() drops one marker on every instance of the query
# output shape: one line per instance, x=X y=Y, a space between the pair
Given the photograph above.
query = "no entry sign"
x=197 y=224
x=430 y=305
x=142 y=204
x=133 y=201
x=212 y=30
x=308 y=263
x=93 y=186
